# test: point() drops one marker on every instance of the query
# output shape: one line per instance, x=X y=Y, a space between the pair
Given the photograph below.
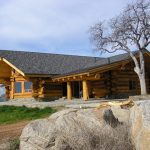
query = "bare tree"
x=130 y=30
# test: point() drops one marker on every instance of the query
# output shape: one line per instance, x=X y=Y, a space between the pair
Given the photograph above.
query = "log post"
x=41 y=89
x=12 y=85
x=23 y=88
x=69 y=91
x=35 y=88
x=12 y=88
x=85 y=90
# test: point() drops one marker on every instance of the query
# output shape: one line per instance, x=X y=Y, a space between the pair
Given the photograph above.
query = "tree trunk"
x=142 y=74
x=143 y=84
x=140 y=70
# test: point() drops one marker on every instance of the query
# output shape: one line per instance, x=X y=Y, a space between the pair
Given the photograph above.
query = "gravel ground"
x=75 y=103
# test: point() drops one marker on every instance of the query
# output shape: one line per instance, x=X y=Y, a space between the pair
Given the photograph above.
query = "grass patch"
x=13 y=114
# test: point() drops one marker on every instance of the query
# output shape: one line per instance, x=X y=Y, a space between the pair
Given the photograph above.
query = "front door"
x=64 y=86
x=76 y=89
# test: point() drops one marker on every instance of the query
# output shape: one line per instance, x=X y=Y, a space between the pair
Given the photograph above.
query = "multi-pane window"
x=28 y=86
x=132 y=85
x=18 y=87
x=23 y=87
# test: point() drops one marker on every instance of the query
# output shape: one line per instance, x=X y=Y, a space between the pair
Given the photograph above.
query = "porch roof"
x=110 y=61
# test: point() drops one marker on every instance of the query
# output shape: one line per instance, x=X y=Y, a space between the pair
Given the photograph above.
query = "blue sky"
x=54 y=26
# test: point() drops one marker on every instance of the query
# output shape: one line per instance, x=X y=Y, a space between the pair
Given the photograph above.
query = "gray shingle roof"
x=100 y=63
x=47 y=64
x=56 y=64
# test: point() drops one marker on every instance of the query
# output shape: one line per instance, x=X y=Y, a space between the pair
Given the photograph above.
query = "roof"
x=47 y=64
x=103 y=62
x=56 y=64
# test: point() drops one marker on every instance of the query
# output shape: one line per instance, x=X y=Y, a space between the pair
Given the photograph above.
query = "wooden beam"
x=85 y=90
x=97 y=76
x=74 y=77
x=69 y=91
x=14 y=67
x=71 y=76
x=81 y=77
x=37 y=75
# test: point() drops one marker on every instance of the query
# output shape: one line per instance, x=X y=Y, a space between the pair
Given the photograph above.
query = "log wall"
x=115 y=83
x=147 y=70
x=122 y=77
x=52 y=90
x=45 y=88
x=98 y=88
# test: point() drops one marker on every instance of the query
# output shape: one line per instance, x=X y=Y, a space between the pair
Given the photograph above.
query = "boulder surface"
x=90 y=129
x=140 y=125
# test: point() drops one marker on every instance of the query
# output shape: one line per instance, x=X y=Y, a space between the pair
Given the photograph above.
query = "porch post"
x=41 y=89
x=69 y=91
x=85 y=90
x=12 y=84
x=12 y=90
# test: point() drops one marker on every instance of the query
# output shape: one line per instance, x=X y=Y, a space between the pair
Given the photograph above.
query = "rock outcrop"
x=90 y=129
x=140 y=125
x=138 y=118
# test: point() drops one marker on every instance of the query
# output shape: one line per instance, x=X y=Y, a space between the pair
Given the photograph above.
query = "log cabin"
x=52 y=76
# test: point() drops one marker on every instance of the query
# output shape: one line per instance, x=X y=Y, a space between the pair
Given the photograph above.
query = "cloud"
x=52 y=24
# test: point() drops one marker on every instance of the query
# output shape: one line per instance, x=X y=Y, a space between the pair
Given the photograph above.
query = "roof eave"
x=39 y=75
x=92 y=69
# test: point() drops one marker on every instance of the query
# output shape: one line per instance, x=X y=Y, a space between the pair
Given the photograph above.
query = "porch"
x=113 y=81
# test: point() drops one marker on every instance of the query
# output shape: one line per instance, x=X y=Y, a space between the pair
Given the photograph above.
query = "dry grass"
x=79 y=130
x=116 y=139
x=113 y=136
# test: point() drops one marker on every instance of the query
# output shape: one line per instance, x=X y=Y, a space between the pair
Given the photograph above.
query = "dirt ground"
x=11 y=131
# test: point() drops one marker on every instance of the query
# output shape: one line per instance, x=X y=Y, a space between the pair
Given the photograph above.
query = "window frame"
x=28 y=90
x=21 y=90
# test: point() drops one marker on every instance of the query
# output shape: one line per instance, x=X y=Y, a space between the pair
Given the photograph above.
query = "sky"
x=53 y=26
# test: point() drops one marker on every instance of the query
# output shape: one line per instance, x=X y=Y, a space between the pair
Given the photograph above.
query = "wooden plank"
x=14 y=67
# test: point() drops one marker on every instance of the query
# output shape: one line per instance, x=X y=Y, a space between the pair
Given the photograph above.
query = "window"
x=18 y=87
x=132 y=85
x=28 y=86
